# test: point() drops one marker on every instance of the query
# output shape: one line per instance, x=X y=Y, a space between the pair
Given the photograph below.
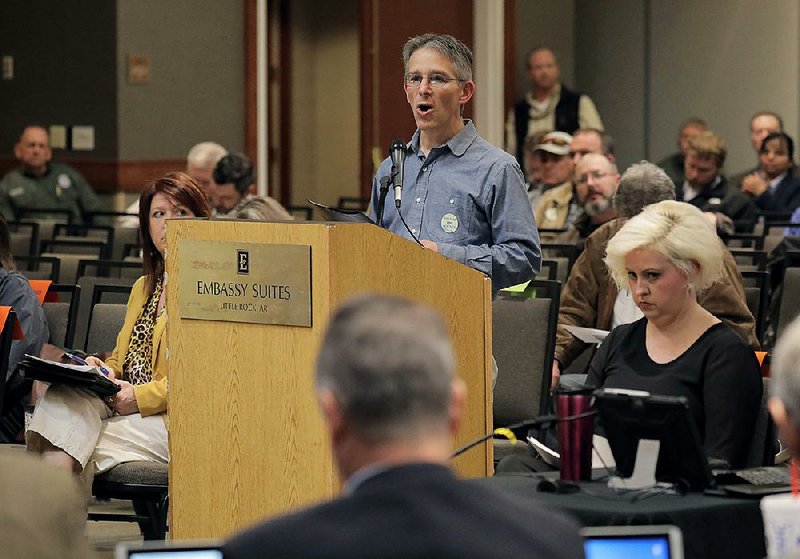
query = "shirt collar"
x=458 y=144
x=773 y=184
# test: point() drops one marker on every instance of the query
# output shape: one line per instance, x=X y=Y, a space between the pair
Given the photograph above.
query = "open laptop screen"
x=633 y=542
x=167 y=550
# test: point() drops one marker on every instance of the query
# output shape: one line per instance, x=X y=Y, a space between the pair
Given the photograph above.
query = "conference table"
x=713 y=526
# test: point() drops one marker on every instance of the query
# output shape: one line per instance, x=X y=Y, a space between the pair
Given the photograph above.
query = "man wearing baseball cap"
x=557 y=207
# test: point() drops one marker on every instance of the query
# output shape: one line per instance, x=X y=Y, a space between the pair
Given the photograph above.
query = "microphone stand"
x=384 y=190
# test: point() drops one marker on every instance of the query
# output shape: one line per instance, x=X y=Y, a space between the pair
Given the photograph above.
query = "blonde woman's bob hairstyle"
x=677 y=230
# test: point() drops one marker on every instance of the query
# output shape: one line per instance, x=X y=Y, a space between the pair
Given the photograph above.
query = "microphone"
x=398 y=153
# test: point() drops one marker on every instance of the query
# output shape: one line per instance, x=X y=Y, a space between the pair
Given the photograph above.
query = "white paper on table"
x=587 y=335
x=601 y=453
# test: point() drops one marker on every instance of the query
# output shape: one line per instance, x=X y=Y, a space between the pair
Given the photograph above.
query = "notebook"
x=633 y=542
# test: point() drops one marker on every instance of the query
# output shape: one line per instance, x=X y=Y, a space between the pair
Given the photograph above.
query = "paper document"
x=587 y=335
x=601 y=453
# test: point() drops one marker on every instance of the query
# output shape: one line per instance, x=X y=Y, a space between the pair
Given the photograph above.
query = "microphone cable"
x=508 y=433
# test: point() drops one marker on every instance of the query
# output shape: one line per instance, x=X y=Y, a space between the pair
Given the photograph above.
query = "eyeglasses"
x=596 y=175
x=434 y=80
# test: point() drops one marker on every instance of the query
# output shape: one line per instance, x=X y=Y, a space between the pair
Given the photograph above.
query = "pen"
x=81 y=361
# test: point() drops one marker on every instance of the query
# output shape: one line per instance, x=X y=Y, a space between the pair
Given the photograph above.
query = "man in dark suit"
x=705 y=187
x=387 y=387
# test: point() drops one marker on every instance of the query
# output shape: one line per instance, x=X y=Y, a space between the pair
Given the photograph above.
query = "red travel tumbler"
x=575 y=435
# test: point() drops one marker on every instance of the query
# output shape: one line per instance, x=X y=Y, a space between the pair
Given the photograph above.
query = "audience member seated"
x=230 y=193
x=392 y=404
x=762 y=124
x=596 y=180
x=557 y=207
x=42 y=184
x=16 y=292
x=200 y=163
x=706 y=188
x=79 y=431
x=673 y=164
x=590 y=299
x=784 y=402
x=773 y=186
x=548 y=105
x=44 y=513
x=591 y=140
x=534 y=169
x=665 y=256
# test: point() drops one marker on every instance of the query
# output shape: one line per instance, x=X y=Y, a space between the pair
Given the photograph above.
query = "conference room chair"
x=143 y=483
x=70 y=253
x=756 y=292
x=353 y=203
x=523 y=343
x=744 y=240
x=132 y=251
x=774 y=233
x=765 y=443
x=562 y=253
x=23 y=238
x=789 y=307
x=110 y=269
x=9 y=422
x=38 y=267
x=301 y=213
x=60 y=310
x=749 y=259
x=46 y=218
x=97 y=290
x=549 y=270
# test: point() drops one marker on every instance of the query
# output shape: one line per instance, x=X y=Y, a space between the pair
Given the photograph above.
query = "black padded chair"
x=60 y=309
x=756 y=291
x=145 y=484
x=523 y=344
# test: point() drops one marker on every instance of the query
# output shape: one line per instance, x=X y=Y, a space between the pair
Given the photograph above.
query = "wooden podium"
x=246 y=438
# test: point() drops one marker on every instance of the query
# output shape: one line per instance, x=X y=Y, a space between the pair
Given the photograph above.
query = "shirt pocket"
x=449 y=220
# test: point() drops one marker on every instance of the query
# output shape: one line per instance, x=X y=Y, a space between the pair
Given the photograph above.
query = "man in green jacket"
x=39 y=184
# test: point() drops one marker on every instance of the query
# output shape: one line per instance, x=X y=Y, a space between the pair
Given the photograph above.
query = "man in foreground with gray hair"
x=392 y=404
x=784 y=402
x=590 y=297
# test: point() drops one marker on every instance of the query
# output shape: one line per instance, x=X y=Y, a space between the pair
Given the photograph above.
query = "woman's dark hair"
x=6 y=259
x=181 y=188
x=782 y=136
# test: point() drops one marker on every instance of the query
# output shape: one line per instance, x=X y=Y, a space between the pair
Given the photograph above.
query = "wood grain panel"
x=246 y=437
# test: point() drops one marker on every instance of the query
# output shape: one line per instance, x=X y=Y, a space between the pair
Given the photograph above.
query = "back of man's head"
x=785 y=386
x=237 y=169
x=205 y=155
x=388 y=364
x=642 y=184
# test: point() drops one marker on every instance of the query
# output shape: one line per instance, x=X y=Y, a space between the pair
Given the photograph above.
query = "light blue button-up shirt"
x=469 y=198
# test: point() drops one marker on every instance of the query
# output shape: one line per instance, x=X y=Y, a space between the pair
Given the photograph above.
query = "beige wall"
x=325 y=102
x=549 y=23
x=196 y=90
x=723 y=60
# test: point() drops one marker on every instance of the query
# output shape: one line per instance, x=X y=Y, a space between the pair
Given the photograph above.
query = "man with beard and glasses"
x=596 y=180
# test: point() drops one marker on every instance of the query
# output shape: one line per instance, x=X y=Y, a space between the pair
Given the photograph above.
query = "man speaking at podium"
x=459 y=195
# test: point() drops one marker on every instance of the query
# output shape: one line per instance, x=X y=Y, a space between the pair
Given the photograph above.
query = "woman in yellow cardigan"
x=72 y=428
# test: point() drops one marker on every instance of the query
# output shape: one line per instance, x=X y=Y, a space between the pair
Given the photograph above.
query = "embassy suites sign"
x=245 y=282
